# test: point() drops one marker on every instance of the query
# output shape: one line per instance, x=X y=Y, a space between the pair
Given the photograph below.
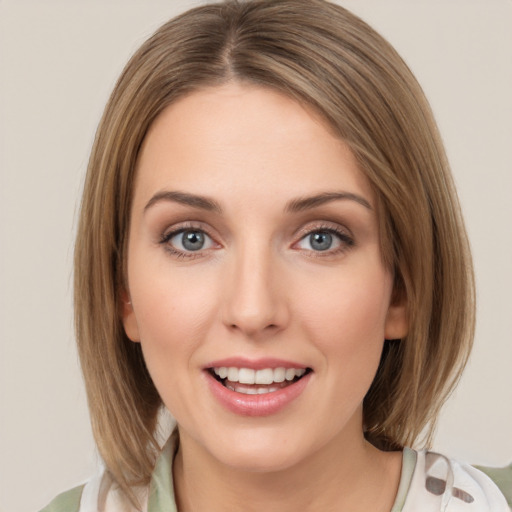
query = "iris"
x=320 y=241
x=192 y=240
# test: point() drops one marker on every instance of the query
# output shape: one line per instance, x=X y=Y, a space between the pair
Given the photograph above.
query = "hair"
x=322 y=56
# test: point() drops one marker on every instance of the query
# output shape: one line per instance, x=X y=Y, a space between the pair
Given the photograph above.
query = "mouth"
x=248 y=381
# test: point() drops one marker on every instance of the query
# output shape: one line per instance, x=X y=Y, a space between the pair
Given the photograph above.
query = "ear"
x=131 y=327
x=397 y=323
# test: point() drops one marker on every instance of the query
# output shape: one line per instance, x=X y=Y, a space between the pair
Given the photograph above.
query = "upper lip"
x=255 y=364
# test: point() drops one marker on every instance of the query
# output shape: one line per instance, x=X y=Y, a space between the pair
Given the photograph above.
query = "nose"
x=255 y=301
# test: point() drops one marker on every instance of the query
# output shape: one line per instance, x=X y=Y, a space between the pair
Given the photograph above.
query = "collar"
x=161 y=489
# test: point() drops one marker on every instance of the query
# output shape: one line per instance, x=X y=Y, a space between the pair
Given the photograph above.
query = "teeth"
x=290 y=374
x=279 y=374
x=251 y=391
x=222 y=372
x=265 y=376
x=245 y=376
x=233 y=374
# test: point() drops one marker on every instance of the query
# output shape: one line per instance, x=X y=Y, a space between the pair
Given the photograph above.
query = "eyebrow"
x=200 y=202
x=293 y=206
x=306 y=203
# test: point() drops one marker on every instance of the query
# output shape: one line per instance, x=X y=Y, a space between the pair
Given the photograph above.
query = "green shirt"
x=419 y=489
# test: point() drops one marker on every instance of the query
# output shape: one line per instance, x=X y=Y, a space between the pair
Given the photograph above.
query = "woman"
x=270 y=245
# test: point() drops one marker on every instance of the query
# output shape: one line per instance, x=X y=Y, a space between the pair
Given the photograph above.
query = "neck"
x=345 y=474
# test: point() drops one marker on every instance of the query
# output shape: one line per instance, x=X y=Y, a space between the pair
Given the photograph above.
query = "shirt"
x=429 y=482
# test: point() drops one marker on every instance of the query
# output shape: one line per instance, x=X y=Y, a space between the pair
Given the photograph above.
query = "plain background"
x=59 y=61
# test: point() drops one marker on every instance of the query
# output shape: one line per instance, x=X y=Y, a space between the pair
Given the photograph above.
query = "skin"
x=258 y=288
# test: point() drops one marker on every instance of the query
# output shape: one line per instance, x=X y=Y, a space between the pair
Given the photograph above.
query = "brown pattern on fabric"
x=437 y=486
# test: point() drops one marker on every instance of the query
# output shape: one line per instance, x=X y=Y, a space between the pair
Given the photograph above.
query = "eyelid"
x=343 y=234
x=322 y=225
x=174 y=230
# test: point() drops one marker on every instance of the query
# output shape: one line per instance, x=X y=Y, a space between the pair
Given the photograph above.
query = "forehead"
x=246 y=138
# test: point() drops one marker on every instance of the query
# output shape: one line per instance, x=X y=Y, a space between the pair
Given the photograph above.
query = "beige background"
x=59 y=60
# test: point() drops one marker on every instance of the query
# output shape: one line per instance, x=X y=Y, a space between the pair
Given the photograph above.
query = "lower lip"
x=257 y=405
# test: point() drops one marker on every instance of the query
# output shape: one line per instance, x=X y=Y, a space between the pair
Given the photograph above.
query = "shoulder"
x=100 y=494
x=442 y=483
x=502 y=477
x=68 y=501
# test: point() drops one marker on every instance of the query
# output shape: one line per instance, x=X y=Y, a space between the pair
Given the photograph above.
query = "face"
x=256 y=285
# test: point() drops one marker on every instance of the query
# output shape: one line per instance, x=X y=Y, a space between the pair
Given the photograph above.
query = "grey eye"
x=320 y=241
x=191 y=240
x=325 y=240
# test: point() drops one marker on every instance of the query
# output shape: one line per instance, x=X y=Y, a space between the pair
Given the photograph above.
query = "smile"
x=257 y=382
x=260 y=391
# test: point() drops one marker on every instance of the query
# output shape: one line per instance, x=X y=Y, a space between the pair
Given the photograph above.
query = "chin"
x=251 y=461
x=260 y=452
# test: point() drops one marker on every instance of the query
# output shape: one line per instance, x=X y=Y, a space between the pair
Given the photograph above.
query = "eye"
x=188 y=240
x=318 y=241
x=325 y=240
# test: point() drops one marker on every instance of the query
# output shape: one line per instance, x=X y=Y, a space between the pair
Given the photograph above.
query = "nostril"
x=253 y=329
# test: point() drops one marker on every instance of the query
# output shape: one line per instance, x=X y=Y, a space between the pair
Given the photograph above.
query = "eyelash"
x=346 y=241
x=168 y=236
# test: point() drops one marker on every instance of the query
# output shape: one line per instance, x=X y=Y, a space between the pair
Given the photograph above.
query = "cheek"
x=173 y=314
x=350 y=304
x=347 y=316
x=173 y=310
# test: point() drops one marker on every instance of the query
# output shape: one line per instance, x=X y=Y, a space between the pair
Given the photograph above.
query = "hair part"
x=323 y=56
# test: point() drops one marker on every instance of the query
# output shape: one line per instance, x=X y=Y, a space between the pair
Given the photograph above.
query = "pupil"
x=321 y=241
x=193 y=240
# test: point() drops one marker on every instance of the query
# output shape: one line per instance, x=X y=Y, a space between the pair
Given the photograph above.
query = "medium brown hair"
x=321 y=55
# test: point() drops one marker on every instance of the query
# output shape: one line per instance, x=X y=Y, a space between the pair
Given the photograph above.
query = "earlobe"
x=397 y=324
x=131 y=328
